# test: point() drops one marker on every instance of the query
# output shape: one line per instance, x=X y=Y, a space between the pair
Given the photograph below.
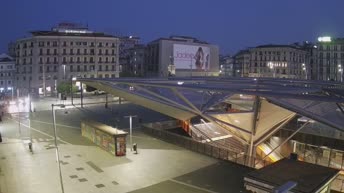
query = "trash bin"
x=135 y=147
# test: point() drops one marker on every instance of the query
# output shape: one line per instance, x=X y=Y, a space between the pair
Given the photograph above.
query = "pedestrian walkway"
x=87 y=168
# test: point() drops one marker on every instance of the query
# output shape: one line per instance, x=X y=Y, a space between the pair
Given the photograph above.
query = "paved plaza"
x=158 y=167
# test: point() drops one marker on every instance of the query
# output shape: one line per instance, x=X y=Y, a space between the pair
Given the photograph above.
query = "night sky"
x=233 y=25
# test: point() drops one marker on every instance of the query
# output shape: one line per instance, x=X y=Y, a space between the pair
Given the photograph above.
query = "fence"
x=204 y=147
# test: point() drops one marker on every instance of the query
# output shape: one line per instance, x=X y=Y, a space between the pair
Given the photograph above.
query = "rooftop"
x=181 y=39
x=5 y=58
x=309 y=177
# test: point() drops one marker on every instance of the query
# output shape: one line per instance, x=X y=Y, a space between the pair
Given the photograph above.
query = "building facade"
x=127 y=47
x=242 y=62
x=68 y=50
x=7 y=73
x=135 y=64
x=329 y=56
x=227 y=67
x=275 y=61
x=181 y=56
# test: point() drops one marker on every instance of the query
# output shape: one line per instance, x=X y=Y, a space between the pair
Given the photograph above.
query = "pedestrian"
x=0 y=138
x=0 y=118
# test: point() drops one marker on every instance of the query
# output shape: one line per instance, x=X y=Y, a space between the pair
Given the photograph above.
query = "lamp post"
x=55 y=139
x=131 y=129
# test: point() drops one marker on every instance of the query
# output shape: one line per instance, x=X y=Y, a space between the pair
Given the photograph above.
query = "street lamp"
x=55 y=137
x=131 y=129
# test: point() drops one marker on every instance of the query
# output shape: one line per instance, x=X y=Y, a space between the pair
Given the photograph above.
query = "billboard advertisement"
x=191 y=57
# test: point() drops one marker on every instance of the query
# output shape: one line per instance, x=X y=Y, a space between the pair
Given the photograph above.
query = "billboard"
x=191 y=57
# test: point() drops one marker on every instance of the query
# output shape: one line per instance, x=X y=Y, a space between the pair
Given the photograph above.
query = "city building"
x=66 y=51
x=135 y=62
x=275 y=61
x=227 y=67
x=11 y=49
x=7 y=73
x=181 y=56
x=330 y=58
x=242 y=62
x=127 y=49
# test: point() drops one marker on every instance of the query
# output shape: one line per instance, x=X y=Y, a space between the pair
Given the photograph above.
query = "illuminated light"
x=48 y=88
x=324 y=39
x=180 y=83
x=315 y=46
x=130 y=37
x=241 y=95
x=74 y=78
x=220 y=71
x=255 y=79
x=12 y=102
x=236 y=121
x=9 y=88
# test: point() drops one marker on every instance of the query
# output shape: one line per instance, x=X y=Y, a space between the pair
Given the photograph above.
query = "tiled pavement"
x=159 y=166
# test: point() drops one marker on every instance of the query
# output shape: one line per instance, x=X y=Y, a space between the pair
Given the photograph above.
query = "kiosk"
x=109 y=138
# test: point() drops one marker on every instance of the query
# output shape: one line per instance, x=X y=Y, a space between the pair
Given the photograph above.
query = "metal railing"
x=204 y=147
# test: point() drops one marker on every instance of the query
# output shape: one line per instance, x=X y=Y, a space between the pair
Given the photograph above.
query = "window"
x=100 y=60
x=85 y=68
x=71 y=60
x=55 y=68
x=78 y=51
x=64 y=52
x=71 y=52
x=40 y=60
x=100 y=67
x=71 y=68
x=48 y=60
x=48 y=68
x=55 y=51
x=100 y=44
x=78 y=68
x=106 y=68
x=48 y=51
x=99 y=52
x=113 y=67
x=106 y=52
x=85 y=51
x=40 y=51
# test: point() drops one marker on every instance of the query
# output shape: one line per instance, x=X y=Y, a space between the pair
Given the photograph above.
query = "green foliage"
x=65 y=87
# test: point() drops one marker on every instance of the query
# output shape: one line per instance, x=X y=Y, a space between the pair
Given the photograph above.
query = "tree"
x=65 y=87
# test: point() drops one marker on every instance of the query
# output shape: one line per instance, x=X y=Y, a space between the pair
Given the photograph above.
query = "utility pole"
x=131 y=129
